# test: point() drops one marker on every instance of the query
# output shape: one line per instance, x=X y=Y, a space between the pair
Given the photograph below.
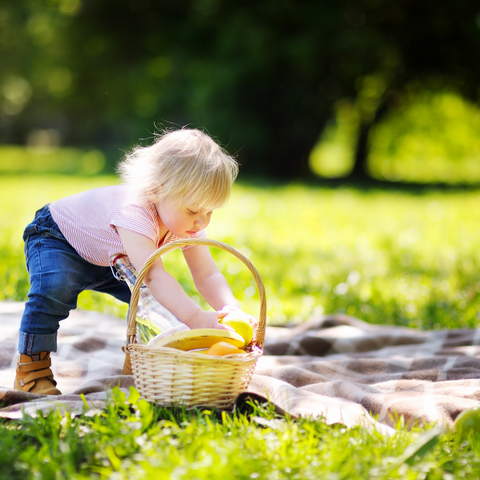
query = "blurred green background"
x=356 y=124
x=295 y=89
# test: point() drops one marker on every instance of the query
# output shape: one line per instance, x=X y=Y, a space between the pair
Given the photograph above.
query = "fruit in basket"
x=224 y=348
x=240 y=323
x=200 y=338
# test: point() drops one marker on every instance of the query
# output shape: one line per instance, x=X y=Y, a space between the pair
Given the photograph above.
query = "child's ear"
x=153 y=194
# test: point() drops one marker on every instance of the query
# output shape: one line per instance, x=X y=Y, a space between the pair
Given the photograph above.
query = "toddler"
x=169 y=191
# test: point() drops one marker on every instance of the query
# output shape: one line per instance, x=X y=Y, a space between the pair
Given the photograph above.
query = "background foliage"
x=266 y=78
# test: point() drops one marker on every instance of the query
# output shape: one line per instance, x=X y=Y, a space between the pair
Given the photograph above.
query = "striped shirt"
x=88 y=221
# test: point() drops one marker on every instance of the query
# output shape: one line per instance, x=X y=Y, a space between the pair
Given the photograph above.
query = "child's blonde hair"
x=181 y=163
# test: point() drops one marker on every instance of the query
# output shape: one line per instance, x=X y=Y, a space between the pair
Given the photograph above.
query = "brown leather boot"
x=35 y=376
x=127 y=365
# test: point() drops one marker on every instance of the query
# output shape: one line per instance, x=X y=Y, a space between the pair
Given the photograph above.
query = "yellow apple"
x=240 y=323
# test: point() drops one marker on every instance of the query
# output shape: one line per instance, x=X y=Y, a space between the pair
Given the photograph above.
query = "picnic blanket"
x=333 y=366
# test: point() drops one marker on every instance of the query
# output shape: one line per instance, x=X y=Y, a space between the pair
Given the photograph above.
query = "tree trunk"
x=360 y=167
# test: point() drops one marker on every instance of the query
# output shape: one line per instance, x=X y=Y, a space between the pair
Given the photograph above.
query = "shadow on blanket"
x=333 y=366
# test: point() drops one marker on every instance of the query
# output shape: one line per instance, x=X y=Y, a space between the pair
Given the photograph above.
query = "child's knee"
x=58 y=292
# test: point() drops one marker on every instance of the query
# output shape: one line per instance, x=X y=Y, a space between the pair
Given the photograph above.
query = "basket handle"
x=132 y=314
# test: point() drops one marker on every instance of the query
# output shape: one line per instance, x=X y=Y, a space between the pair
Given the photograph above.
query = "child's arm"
x=164 y=286
x=208 y=279
x=210 y=282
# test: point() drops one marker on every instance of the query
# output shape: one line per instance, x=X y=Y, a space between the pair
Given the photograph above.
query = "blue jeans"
x=57 y=276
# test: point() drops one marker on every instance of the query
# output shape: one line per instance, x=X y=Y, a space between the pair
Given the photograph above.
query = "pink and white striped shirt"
x=88 y=220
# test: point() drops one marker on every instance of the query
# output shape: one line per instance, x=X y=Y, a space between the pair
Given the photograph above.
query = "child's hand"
x=207 y=320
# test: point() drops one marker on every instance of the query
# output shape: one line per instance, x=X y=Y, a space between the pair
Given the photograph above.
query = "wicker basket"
x=171 y=377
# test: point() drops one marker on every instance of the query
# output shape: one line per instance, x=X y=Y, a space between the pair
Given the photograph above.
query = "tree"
x=260 y=76
x=430 y=45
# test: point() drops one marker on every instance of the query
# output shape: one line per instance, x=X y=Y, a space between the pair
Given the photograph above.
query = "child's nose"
x=201 y=220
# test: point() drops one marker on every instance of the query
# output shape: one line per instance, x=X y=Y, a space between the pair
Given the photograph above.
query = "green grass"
x=389 y=257
x=132 y=439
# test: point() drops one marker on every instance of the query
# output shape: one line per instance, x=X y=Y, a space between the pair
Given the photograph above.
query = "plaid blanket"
x=335 y=366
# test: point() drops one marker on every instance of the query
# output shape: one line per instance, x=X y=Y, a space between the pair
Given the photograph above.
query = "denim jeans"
x=57 y=276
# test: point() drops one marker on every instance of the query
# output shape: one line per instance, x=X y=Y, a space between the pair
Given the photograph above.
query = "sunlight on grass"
x=388 y=257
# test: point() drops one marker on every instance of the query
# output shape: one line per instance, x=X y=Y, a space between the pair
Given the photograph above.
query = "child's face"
x=182 y=219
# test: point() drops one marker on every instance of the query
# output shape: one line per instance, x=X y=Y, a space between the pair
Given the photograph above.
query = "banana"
x=200 y=338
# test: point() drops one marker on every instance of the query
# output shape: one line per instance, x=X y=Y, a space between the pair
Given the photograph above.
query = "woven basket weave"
x=169 y=377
